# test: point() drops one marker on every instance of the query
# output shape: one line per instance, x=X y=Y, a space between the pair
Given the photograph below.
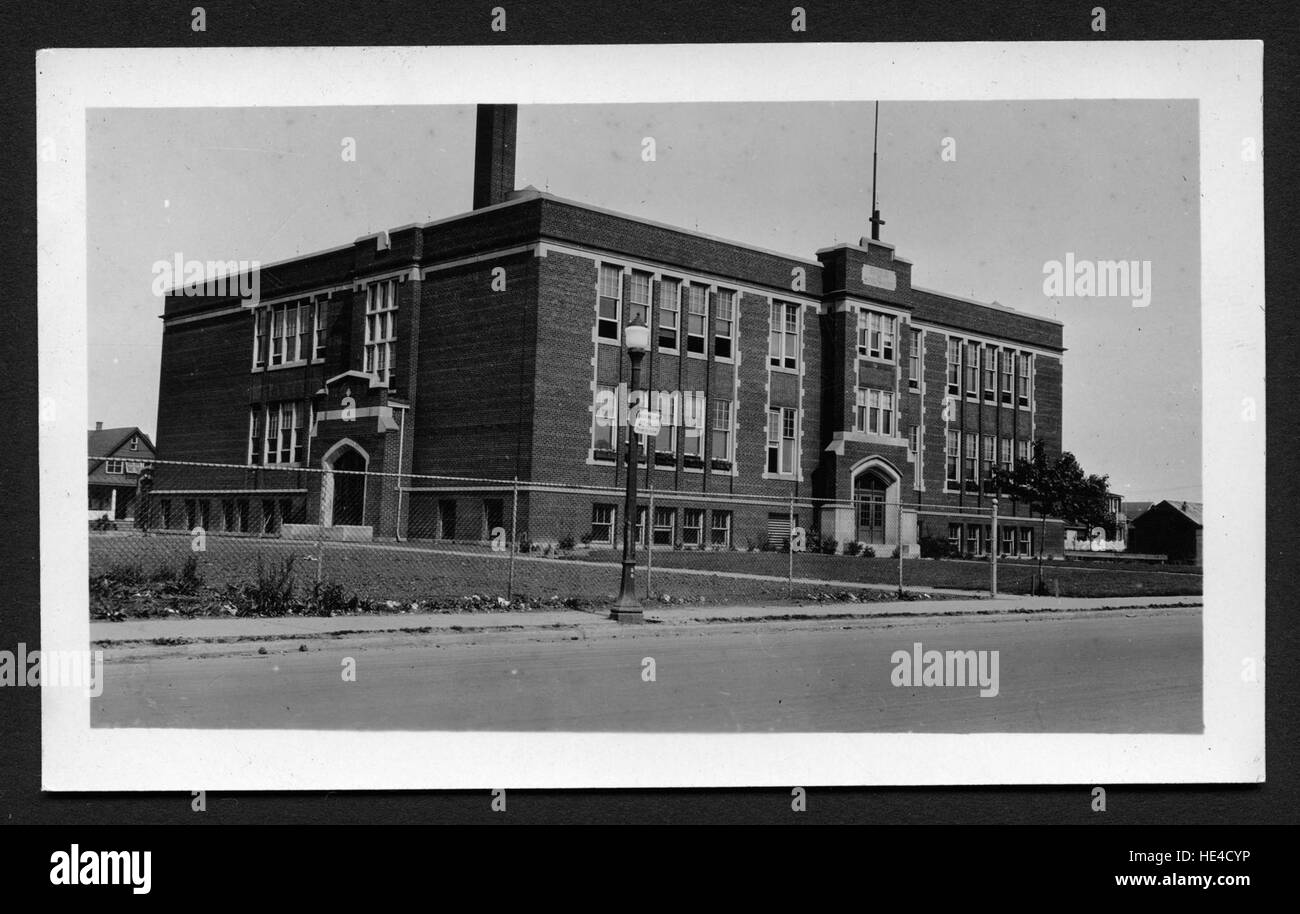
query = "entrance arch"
x=343 y=488
x=876 y=494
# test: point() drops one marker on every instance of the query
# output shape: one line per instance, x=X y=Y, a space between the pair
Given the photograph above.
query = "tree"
x=1054 y=488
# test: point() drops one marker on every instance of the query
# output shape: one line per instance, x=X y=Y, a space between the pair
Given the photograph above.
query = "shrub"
x=272 y=593
x=128 y=573
x=867 y=551
x=938 y=547
x=102 y=523
x=828 y=545
x=328 y=599
x=189 y=580
x=566 y=542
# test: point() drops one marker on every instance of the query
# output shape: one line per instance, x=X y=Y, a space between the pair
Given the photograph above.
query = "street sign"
x=646 y=422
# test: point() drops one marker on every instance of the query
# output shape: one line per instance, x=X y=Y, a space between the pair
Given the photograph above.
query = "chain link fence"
x=223 y=538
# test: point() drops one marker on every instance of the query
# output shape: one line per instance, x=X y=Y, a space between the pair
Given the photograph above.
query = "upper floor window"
x=278 y=432
x=953 y=454
x=1004 y=453
x=638 y=299
x=669 y=314
x=781 y=424
x=876 y=333
x=286 y=334
x=381 y=329
x=665 y=403
x=972 y=369
x=954 y=366
x=914 y=359
x=876 y=411
x=135 y=442
x=696 y=318
x=990 y=354
x=724 y=323
x=1022 y=450
x=693 y=424
x=914 y=439
x=989 y=443
x=1026 y=367
x=114 y=468
x=783 y=335
x=607 y=314
x=1008 y=377
x=721 y=430
x=605 y=419
x=972 y=459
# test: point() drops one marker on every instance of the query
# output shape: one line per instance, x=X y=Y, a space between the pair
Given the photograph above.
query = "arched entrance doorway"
x=869 y=492
x=343 y=487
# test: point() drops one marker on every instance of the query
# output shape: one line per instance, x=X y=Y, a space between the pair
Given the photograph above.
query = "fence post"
x=789 y=548
x=320 y=546
x=649 y=530
x=993 y=552
x=899 y=547
x=514 y=536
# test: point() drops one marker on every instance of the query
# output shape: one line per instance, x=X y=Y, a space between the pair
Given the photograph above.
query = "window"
x=721 y=444
x=278 y=432
x=876 y=335
x=989 y=444
x=669 y=313
x=1026 y=366
x=1022 y=450
x=665 y=526
x=954 y=536
x=972 y=369
x=724 y=326
x=381 y=329
x=876 y=410
x=640 y=525
x=602 y=523
x=954 y=366
x=972 y=539
x=693 y=426
x=914 y=440
x=692 y=527
x=1008 y=378
x=261 y=340
x=638 y=300
x=1026 y=540
x=781 y=423
x=1007 y=540
x=114 y=468
x=665 y=403
x=990 y=372
x=972 y=466
x=720 y=534
x=282 y=334
x=321 y=315
x=1005 y=454
x=135 y=442
x=783 y=335
x=696 y=318
x=607 y=308
x=605 y=419
x=953 y=452
x=914 y=359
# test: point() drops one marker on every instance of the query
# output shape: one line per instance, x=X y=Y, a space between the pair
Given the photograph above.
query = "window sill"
x=879 y=360
x=782 y=369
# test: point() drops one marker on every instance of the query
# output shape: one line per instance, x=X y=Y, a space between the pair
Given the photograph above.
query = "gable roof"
x=104 y=441
x=1194 y=511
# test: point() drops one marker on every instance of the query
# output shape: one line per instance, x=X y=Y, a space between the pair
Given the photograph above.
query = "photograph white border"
x=1225 y=78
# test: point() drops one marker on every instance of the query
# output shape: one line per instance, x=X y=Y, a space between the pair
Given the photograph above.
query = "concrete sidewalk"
x=230 y=628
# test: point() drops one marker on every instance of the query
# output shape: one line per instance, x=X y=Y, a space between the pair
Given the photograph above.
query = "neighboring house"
x=117 y=457
x=1171 y=528
x=1113 y=537
x=484 y=345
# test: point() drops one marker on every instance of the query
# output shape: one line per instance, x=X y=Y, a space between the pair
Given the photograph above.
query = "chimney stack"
x=494 y=154
x=99 y=426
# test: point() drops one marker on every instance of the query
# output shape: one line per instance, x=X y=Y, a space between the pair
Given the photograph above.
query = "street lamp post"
x=627 y=608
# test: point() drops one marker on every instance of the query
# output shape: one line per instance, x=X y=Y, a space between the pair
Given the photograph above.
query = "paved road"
x=1121 y=671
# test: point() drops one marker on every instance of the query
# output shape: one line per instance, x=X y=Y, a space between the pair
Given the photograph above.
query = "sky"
x=1022 y=184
